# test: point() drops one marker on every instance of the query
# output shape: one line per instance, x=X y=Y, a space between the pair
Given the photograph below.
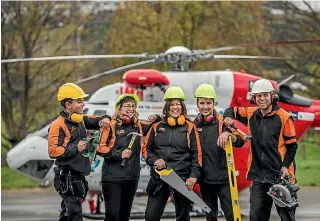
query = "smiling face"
x=175 y=108
x=75 y=106
x=128 y=108
x=264 y=101
x=205 y=105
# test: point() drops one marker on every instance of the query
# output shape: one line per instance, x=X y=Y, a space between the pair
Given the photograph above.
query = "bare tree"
x=34 y=29
x=288 y=21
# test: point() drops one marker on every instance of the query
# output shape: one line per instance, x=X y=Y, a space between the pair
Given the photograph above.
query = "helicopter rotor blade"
x=228 y=48
x=286 y=80
x=220 y=56
x=144 y=55
x=123 y=68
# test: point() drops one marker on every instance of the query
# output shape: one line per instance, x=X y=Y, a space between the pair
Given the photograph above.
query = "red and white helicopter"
x=30 y=156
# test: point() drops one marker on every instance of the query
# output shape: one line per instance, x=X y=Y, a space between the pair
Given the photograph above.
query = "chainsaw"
x=284 y=194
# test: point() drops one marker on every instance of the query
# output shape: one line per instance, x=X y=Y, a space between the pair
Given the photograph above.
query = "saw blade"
x=172 y=179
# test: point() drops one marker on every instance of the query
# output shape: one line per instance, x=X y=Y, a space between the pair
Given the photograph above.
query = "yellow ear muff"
x=171 y=121
x=77 y=118
x=181 y=120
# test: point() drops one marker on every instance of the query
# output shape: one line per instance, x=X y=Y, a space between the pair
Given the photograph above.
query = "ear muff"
x=181 y=120
x=275 y=99
x=76 y=118
x=200 y=118
x=252 y=100
x=172 y=121
x=129 y=120
x=205 y=119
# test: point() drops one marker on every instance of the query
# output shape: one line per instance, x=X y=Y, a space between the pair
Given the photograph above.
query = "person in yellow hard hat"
x=171 y=142
x=66 y=146
x=272 y=149
x=214 y=181
x=120 y=177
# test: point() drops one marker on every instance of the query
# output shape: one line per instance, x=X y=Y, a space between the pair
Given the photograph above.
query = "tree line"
x=39 y=29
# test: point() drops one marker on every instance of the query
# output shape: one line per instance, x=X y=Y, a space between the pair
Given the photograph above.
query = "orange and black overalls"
x=214 y=179
x=72 y=166
x=273 y=146
x=179 y=147
x=119 y=184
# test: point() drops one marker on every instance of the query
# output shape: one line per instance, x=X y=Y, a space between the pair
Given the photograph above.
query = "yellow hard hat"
x=72 y=91
x=122 y=96
x=174 y=93
x=205 y=91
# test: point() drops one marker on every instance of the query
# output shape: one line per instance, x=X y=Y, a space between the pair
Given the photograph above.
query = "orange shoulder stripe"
x=103 y=146
x=53 y=149
x=146 y=140
x=190 y=127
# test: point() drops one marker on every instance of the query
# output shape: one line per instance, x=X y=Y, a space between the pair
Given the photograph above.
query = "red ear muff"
x=129 y=120
x=199 y=118
x=126 y=120
x=209 y=118
x=205 y=119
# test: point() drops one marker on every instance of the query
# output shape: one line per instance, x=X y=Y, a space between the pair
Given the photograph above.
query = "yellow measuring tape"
x=232 y=181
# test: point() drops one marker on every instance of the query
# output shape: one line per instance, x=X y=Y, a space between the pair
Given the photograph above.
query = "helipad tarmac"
x=43 y=205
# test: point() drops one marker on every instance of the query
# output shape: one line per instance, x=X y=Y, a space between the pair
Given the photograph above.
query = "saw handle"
x=167 y=167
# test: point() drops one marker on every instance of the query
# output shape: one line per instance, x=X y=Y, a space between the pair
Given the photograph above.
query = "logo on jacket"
x=120 y=132
x=199 y=129
x=162 y=129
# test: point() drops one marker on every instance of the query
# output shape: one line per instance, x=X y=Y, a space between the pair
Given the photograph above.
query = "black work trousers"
x=157 y=203
x=261 y=204
x=118 y=199
x=71 y=208
x=210 y=193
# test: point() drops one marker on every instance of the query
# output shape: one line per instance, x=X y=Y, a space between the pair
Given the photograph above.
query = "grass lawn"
x=11 y=179
x=308 y=169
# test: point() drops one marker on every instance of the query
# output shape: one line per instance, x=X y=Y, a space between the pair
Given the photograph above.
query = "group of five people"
x=193 y=149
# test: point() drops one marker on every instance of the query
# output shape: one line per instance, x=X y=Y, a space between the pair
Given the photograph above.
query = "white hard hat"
x=262 y=85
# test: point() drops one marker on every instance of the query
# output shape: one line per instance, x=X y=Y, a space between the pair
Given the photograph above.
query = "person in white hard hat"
x=273 y=148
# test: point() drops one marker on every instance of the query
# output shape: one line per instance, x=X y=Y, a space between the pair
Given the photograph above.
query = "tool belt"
x=70 y=183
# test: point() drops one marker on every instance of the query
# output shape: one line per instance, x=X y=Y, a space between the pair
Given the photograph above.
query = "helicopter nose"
x=316 y=107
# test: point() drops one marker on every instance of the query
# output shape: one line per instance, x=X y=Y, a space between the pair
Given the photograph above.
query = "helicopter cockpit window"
x=36 y=168
x=153 y=94
x=100 y=112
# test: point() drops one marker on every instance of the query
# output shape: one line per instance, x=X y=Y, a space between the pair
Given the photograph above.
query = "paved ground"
x=36 y=205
